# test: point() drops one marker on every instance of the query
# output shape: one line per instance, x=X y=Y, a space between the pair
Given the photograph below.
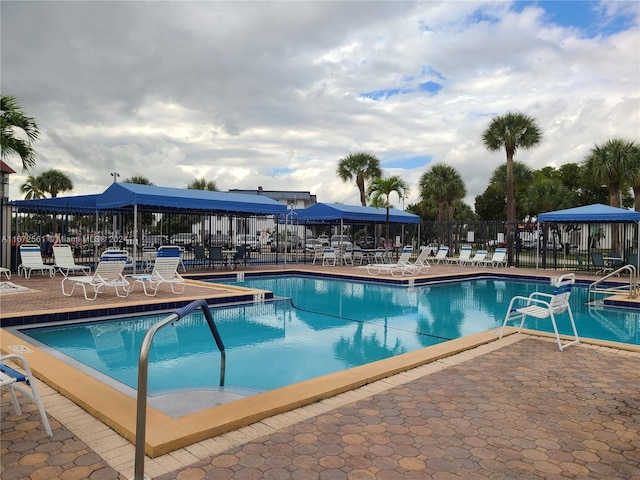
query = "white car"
x=341 y=241
x=250 y=241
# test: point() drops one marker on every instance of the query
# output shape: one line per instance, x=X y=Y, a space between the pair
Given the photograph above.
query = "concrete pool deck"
x=412 y=424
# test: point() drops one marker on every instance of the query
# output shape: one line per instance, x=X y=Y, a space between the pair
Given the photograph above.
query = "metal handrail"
x=633 y=283
x=143 y=371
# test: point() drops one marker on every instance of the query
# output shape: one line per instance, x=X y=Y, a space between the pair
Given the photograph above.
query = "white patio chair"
x=64 y=261
x=545 y=305
x=477 y=259
x=17 y=381
x=165 y=271
x=421 y=264
x=499 y=258
x=108 y=274
x=31 y=260
x=465 y=255
x=441 y=255
x=402 y=267
x=6 y=272
x=329 y=256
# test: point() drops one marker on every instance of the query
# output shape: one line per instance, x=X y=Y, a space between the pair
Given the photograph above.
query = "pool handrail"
x=143 y=373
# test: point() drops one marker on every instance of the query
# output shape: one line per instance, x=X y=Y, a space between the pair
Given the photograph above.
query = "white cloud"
x=268 y=93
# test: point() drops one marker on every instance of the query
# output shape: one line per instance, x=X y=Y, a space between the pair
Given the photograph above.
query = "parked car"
x=250 y=241
x=343 y=241
x=325 y=240
x=312 y=244
x=293 y=242
x=366 y=242
x=154 y=240
x=185 y=240
x=217 y=240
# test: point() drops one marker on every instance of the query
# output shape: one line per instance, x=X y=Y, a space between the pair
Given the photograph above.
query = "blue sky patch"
x=588 y=16
x=281 y=170
x=407 y=162
x=431 y=87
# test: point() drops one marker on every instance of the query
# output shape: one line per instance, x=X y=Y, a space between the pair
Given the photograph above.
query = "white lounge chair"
x=65 y=262
x=402 y=267
x=108 y=274
x=441 y=255
x=545 y=305
x=421 y=264
x=165 y=270
x=499 y=258
x=6 y=272
x=317 y=254
x=477 y=259
x=14 y=379
x=31 y=260
x=465 y=255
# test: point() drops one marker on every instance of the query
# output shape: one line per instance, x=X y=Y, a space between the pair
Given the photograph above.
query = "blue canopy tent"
x=125 y=195
x=327 y=213
x=591 y=213
x=74 y=204
x=332 y=212
x=596 y=213
x=129 y=197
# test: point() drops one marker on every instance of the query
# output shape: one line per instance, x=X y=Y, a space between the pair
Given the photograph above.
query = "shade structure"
x=121 y=195
x=124 y=196
x=595 y=213
x=73 y=204
x=332 y=212
x=591 y=213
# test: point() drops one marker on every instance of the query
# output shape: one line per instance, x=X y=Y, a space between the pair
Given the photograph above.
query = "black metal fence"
x=554 y=246
x=271 y=241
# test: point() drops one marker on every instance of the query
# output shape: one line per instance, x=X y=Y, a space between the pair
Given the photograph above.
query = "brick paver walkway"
x=525 y=411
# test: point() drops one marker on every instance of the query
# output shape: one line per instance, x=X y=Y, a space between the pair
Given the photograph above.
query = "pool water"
x=323 y=326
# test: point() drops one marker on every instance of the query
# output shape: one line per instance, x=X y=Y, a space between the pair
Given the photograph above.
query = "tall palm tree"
x=13 y=119
x=444 y=184
x=614 y=164
x=511 y=131
x=203 y=184
x=522 y=177
x=635 y=184
x=54 y=182
x=361 y=167
x=31 y=189
x=382 y=188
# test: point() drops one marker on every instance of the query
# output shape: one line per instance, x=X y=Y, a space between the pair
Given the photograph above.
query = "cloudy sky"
x=274 y=93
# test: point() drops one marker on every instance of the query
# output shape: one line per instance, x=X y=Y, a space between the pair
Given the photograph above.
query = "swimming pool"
x=328 y=325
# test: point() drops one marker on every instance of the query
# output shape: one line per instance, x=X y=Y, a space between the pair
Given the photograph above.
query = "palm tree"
x=31 y=188
x=635 y=184
x=382 y=188
x=54 y=182
x=522 y=178
x=139 y=180
x=202 y=184
x=444 y=184
x=613 y=163
x=12 y=118
x=362 y=167
x=512 y=131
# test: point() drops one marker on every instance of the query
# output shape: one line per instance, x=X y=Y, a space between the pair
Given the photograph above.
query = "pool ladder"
x=595 y=288
x=143 y=373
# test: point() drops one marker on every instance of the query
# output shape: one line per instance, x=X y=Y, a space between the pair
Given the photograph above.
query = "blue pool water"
x=327 y=326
